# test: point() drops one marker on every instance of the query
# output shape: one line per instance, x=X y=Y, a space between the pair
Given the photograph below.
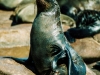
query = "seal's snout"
x=59 y=64
x=60 y=70
x=62 y=61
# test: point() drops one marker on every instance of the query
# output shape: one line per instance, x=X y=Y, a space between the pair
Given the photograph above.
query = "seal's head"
x=42 y=5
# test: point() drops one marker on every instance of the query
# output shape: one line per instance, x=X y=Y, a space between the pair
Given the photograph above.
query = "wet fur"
x=87 y=24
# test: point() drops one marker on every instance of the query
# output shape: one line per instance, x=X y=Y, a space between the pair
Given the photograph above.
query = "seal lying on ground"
x=21 y=14
x=87 y=24
x=72 y=7
x=50 y=51
x=12 y=4
x=9 y=4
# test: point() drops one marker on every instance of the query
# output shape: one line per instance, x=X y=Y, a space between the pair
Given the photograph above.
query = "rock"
x=15 y=41
x=5 y=22
x=94 y=69
x=88 y=48
x=19 y=52
x=15 y=36
x=11 y=37
x=10 y=67
x=97 y=37
x=89 y=71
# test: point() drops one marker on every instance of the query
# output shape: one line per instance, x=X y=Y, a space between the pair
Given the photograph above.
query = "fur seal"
x=72 y=7
x=21 y=14
x=9 y=4
x=49 y=47
x=87 y=24
x=50 y=52
x=12 y=4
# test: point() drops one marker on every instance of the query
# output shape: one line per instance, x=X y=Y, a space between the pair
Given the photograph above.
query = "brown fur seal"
x=72 y=7
x=87 y=24
x=50 y=51
x=21 y=14
x=12 y=4
x=9 y=4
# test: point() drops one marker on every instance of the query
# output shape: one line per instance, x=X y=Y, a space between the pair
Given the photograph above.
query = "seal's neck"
x=45 y=5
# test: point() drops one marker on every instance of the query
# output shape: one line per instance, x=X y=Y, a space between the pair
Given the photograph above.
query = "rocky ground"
x=15 y=42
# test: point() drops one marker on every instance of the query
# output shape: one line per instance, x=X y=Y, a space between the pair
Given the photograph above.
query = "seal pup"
x=49 y=45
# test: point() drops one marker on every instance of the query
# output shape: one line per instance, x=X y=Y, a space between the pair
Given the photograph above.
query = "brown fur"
x=43 y=5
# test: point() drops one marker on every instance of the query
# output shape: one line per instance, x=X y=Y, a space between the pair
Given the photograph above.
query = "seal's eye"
x=55 y=50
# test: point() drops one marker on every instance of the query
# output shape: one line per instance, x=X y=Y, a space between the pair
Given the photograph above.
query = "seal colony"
x=50 y=52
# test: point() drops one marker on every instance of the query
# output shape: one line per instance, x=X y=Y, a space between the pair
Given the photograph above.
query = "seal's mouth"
x=62 y=61
x=59 y=64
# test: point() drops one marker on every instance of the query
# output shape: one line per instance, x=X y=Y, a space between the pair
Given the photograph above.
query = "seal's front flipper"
x=69 y=37
x=19 y=60
x=97 y=66
x=24 y=61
